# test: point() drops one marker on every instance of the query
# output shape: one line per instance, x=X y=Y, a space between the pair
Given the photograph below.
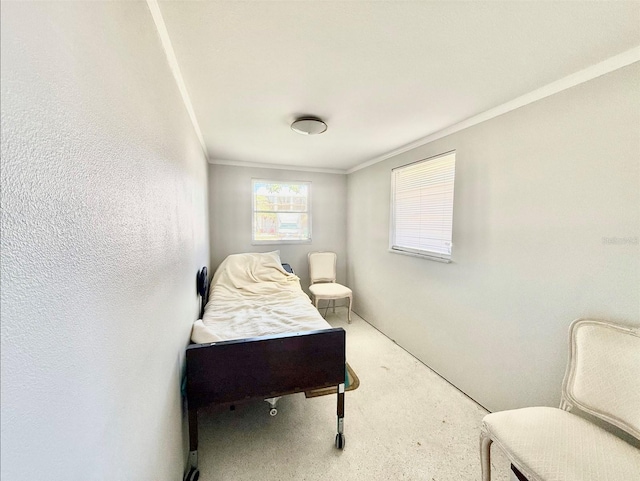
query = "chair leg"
x=349 y=312
x=333 y=305
x=485 y=456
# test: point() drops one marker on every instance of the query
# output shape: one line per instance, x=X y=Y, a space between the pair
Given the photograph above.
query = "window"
x=422 y=207
x=281 y=212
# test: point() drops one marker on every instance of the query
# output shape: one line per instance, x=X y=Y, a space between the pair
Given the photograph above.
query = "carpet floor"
x=403 y=422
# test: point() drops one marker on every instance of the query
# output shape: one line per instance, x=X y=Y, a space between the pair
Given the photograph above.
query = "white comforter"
x=251 y=295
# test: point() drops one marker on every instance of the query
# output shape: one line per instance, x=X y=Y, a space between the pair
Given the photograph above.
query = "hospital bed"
x=259 y=337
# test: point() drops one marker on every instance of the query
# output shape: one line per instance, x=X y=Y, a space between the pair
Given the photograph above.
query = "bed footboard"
x=233 y=371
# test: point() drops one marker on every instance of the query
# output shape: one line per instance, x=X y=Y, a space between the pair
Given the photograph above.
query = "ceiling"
x=381 y=74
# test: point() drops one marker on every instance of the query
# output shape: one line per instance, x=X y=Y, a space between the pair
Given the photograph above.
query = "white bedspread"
x=251 y=295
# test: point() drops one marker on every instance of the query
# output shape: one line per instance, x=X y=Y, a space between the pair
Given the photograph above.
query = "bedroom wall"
x=104 y=225
x=546 y=229
x=230 y=206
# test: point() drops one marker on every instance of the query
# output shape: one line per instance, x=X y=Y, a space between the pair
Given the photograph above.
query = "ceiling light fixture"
x=308 y=126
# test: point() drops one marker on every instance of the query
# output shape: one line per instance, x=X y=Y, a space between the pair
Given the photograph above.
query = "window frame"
x=416 y=252
x=255 y=241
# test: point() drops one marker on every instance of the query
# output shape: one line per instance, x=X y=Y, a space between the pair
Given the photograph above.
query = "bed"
x=259 y=337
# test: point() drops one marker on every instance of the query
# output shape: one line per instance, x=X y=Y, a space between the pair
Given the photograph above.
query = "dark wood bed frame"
x=230 y=372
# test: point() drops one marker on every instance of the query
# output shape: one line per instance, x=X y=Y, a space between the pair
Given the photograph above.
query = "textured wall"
x=231 y=210
x=104 y=224
x=546 y=228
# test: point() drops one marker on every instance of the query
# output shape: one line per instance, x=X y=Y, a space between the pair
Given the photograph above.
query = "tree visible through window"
x=281 y=211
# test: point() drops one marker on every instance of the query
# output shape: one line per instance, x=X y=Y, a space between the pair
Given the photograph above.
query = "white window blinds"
x=422 y=206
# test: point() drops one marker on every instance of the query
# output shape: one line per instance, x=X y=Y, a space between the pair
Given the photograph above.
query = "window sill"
x=430 y=257
x=279 y=242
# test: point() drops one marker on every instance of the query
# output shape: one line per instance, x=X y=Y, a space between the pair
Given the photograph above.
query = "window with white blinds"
x=422 y=207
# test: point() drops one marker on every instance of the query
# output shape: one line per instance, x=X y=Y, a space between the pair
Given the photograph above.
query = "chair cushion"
x=329 y=290
x=554 y=445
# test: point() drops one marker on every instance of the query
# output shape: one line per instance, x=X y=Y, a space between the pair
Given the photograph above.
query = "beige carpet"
x=404 y=422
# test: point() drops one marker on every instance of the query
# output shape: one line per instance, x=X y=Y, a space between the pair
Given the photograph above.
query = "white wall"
x=104 y=225
x=539 y=191
x=230 y=206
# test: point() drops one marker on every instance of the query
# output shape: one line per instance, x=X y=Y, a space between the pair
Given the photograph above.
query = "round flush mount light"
x=308 y=126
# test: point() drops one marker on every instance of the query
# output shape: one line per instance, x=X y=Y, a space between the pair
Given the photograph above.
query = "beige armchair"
x=322 y=273
x=548 y=444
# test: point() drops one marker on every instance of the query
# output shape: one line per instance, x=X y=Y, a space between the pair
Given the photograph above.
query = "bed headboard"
x=202 y=286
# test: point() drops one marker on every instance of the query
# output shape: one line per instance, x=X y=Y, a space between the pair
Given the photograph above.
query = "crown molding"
x=258 y=165
x=175 y=70
x=611 y=64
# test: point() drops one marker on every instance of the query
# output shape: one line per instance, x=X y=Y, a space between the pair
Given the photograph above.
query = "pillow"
x=273 y=255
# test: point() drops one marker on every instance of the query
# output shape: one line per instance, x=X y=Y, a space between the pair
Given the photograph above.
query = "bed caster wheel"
x=340 y=441
x=273 y=411
x=192 y=475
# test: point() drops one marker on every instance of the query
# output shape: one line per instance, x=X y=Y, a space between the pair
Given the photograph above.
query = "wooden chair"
x=548 y=444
